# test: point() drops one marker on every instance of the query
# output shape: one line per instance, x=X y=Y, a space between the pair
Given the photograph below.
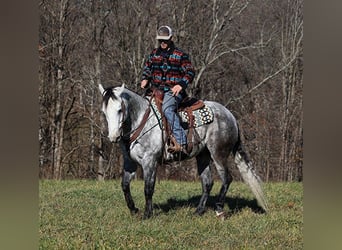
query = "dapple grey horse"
x=124 y=111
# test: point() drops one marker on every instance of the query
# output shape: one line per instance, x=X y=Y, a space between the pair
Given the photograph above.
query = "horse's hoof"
x=221 y=215
x=134 y=211
x=147 y=216
x=199 y=212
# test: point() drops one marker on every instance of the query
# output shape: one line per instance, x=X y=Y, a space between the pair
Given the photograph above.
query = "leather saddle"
x=188 y=105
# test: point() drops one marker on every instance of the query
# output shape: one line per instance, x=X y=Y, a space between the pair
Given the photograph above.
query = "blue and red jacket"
x=169 y=67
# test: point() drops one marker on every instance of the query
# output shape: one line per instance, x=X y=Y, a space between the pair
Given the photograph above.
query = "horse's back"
x=224 y=127
x=221 y=112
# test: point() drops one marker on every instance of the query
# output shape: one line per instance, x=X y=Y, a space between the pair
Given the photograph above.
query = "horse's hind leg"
x=226 y=178
x=129 y=171
x=203 y=165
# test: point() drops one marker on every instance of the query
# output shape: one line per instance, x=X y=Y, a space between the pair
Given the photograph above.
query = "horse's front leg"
x=129 y=171
x=150 y=180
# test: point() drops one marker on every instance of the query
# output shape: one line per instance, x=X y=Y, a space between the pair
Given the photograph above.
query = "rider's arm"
x=189 y=71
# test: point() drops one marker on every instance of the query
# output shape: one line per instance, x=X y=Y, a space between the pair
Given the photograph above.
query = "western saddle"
x=188 y=105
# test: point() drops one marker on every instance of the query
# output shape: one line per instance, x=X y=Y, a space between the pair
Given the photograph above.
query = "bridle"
x=123 y=119
x=110 y=95
x=136 y=132
x=123 y=111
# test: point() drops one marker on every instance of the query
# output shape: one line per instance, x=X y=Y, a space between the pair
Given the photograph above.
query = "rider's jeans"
x=170 y=104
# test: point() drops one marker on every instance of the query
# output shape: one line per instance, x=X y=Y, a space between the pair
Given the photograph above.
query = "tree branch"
x=262 y=82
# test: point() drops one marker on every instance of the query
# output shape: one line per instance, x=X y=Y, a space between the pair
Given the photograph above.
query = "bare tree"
x=247 y=55
x=57 y=15
x=292 y=81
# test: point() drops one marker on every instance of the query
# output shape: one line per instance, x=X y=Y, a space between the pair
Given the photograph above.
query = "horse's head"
x=113 y=106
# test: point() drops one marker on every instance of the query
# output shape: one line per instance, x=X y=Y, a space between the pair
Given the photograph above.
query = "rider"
x=169 y=68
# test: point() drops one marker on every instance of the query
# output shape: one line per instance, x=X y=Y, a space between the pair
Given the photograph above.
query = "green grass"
x=93 y=215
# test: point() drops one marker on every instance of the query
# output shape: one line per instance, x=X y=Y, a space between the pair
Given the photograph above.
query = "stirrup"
x=174 y=146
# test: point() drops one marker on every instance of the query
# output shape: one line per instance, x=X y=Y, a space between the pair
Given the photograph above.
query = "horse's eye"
x=120 y=111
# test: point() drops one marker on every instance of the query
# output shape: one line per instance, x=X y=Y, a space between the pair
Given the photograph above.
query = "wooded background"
x=248 y=55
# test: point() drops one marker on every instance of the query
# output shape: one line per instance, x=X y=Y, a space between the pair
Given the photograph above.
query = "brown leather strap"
x=192 y=103
x=190 y=128
x=158 y=96
x=141 y=126
x=197 y=105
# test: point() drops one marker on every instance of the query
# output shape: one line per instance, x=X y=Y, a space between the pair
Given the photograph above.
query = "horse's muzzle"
x=114 y=139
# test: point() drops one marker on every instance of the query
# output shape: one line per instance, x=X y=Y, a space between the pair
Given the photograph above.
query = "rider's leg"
x=170 y=104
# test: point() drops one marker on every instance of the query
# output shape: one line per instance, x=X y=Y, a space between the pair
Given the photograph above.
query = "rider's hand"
x=176 y=89
x=144 y=83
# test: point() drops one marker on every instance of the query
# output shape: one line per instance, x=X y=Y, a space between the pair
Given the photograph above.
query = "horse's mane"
x=108 y=93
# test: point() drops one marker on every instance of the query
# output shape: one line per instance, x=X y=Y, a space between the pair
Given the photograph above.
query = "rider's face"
x=164 y=43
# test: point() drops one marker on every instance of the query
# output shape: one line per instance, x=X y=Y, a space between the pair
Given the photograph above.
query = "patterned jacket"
x=169 y=68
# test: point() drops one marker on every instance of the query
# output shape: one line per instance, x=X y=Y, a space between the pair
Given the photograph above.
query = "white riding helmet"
x=164 y=33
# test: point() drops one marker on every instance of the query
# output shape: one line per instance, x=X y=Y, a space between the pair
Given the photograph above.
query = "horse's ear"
x=120 y=89
x=101 y=89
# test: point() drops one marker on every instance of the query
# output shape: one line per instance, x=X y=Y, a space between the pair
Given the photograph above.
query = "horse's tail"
x=248 y=173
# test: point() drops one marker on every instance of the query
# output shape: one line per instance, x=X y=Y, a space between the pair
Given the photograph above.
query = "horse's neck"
x=137 y=107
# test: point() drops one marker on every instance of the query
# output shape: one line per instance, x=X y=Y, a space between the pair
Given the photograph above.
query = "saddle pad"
x=202 y=116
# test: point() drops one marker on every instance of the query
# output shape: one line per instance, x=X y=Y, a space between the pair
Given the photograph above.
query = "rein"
x=140 y=127
x=136 y=132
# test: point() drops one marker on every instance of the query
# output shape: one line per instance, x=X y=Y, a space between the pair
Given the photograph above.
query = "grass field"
x=85 y=214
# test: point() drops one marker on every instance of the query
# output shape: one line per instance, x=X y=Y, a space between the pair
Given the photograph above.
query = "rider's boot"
x=175 y=147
